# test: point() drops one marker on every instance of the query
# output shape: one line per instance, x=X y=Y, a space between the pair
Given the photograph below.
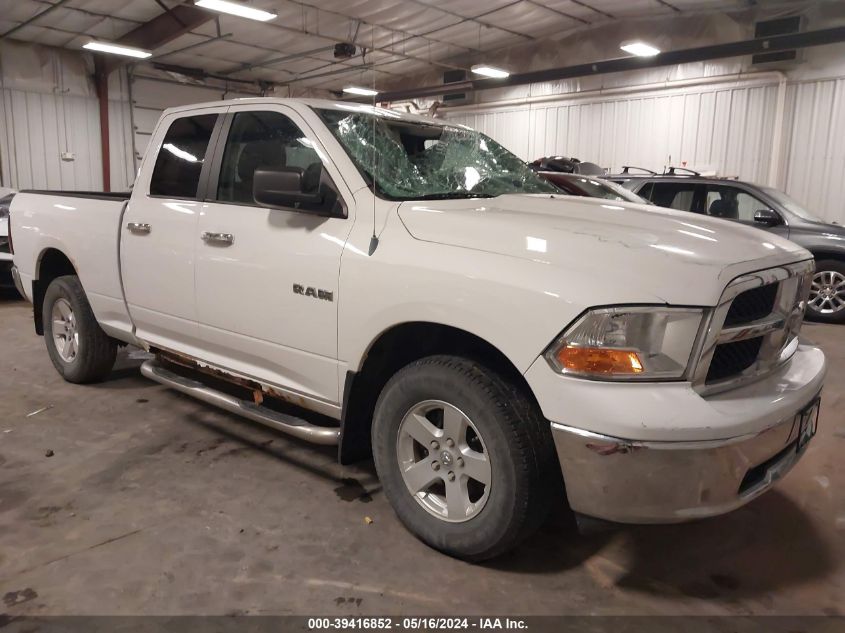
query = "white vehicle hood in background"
x=675 y=256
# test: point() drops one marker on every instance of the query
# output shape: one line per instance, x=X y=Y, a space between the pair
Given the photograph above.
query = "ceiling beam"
x=629 y=64
x=558 y=11
x=191 y=47
x=406 y=35
x=264 y=63
x=164 y=28
x=668 y=5
x=580 y=3
x=471 y=18
x=35 y=17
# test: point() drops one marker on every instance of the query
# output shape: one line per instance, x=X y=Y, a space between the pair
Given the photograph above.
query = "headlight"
x=639 y=343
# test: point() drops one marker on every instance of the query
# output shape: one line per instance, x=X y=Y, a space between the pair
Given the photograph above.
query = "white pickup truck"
x=408 y=289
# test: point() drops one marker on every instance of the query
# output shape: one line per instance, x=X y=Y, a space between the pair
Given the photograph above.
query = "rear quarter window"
x=179 y=162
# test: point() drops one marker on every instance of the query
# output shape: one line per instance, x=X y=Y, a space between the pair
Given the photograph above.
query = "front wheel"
x=81 y=352
x=826 y=302
x=466 y=461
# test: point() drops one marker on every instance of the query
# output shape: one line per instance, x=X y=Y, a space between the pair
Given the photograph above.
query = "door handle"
x=220 y=239
x=139 y=228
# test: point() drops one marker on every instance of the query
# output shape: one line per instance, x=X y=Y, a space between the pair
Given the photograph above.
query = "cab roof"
x=325 y=104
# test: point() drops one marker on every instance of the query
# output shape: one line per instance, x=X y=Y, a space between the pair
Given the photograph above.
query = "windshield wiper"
x=452 y=195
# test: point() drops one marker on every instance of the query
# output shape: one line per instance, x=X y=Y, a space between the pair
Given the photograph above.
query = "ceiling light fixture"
x=640 y=49
x=490 y=71
x=117 y=49
x=364 y=92
x=235 y=8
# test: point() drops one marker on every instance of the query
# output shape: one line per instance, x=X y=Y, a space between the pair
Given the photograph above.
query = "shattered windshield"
x=409 y=160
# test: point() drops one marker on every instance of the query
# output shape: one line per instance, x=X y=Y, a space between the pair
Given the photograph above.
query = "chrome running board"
x=289 y=424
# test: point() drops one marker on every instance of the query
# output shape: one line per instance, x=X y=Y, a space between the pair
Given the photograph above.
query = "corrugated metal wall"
x=48 y=108
x=814 y=164
x=723 y=128
x=37 y=128
x=150 y=98
x=121 y=161
x=727 y=129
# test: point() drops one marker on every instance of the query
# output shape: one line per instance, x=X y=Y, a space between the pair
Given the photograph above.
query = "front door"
x=267 y=278
x=733 y=202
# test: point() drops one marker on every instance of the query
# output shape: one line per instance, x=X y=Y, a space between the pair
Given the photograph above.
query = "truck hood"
x=653 y=252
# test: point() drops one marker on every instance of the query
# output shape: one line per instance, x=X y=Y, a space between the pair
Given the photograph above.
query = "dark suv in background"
x=762 y=207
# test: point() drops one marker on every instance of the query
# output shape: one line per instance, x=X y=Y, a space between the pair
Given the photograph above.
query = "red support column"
x=101 y=83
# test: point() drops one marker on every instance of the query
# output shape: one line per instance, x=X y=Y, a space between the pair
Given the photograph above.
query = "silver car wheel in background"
x=827 y=292
x=443 y=461
x=65 y=335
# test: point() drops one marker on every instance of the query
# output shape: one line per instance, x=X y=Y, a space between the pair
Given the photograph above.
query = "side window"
x=264 y=140
x=675 y=195
x=646 y=191
x=179 y=162
x=732 y=203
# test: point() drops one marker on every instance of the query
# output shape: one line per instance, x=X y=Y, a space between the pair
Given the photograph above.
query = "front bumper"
x=636 y=478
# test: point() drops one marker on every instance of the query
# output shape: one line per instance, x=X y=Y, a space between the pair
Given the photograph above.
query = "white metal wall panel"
x=814 y=161
x=726 y=129
x=151 y=97
x=37 y=128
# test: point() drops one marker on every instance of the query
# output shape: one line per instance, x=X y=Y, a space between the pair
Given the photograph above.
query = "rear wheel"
x=826 y=302
x=466 y=461
x=81 y=352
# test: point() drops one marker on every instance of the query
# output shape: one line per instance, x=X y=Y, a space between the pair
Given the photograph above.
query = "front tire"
x=465 y=458
x=81 y=352
x=827 y=292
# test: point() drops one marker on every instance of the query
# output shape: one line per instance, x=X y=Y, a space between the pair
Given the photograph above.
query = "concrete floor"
x=152 y=503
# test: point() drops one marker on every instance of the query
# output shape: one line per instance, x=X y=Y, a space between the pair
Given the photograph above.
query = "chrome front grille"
x=752 y=305
x=755 y=327
x=734 y=358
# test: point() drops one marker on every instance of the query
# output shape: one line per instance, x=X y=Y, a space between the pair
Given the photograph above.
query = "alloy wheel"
x=443 y=461
x=65 y=335
x=827 y=292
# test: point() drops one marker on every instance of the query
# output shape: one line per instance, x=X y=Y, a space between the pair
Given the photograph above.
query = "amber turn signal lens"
x=595 y=360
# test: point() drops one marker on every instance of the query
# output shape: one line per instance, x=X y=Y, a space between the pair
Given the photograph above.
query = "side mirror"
x=767 y=217
x=285 y=188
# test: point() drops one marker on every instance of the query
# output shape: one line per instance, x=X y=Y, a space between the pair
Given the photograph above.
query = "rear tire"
x=414 y=428
x=826 y=303
x=81 y=352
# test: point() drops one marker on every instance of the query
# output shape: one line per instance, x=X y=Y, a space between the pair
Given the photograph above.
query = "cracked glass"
x=403 y=159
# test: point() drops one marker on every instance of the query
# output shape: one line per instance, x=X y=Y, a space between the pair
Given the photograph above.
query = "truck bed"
x=84 y=228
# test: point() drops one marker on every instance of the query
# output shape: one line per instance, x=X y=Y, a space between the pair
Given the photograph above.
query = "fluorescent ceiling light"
x=116 y=49
x=640 y=49
x=364 y=92
x=235 y=8
x=490 y=71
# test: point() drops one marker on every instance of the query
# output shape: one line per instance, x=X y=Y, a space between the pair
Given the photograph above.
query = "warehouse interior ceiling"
x=402 y=38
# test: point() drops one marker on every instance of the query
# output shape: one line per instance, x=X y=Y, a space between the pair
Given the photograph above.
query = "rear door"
x=267 y=278
x=158 y=234
x=678 y=194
